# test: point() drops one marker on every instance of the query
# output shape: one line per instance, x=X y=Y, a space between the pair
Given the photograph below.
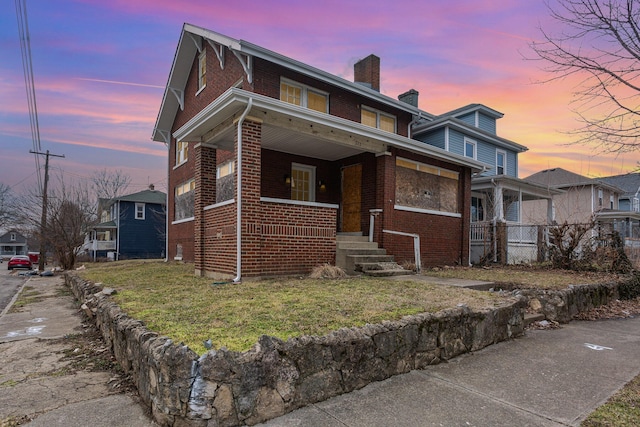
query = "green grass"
x=524 y=276
x=621 y=410
x=170 y=300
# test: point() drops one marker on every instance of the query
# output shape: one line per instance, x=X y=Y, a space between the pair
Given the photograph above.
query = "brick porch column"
x=251 y=210
x=205 y=194
x=385 y=195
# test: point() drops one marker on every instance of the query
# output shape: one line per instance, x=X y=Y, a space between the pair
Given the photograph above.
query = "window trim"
x=474 y=144
x=304 y=94
x=137 y=205
x=504 y=166
x=182 y=155
x=379 y=113
x=202 y=75
x=312 y=180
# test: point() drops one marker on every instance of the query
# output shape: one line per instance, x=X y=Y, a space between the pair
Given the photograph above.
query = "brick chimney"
x=410 y=97
x=367 y=71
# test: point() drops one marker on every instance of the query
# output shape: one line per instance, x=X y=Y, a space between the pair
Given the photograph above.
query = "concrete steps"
x=356 y=255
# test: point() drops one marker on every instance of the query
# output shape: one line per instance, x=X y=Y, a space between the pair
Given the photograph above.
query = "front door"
x=351 y=198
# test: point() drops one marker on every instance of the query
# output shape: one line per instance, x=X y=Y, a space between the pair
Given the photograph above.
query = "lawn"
x=170 y=300
x=525 y=276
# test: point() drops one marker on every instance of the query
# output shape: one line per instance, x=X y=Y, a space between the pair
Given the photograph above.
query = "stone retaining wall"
x=226 y=388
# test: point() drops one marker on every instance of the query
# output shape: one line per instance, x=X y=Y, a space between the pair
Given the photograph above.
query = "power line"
x=27 y=66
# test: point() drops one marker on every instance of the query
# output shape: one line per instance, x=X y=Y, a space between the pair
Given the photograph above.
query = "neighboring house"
x=13 y=243
x=497 y=193
x=629 y=183
x=131 y=226
x=271 y=159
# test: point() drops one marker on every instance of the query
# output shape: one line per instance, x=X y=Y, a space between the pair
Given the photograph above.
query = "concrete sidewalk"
x=35 y=382
x=547 y=378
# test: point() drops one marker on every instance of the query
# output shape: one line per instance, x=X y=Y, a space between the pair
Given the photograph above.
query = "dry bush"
x=327 y=271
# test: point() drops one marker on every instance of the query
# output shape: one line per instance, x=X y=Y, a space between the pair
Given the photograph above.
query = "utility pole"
x=43 y=218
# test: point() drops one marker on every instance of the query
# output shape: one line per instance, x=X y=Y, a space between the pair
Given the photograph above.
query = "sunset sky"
x=100 y=68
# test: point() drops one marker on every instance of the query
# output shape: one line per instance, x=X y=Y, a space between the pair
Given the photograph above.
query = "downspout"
x=413 y=122
x=239 y=196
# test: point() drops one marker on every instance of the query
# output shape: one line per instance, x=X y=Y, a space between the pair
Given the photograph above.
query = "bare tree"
x=6 y=214
x=109 y=184
x=70 y=214
x=599 y=43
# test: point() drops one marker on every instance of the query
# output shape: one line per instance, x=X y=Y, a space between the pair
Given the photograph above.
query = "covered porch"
x=290 y=178
x=498 y=234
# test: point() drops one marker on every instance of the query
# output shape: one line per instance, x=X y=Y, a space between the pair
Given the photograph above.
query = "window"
x=12 y=237
x=302 y=179
x=225 y=169
x=304 y=96
x=469 y=148
x=501 y=167
x=202 y=70
x=477 y=209
x=139 y=210
x=611 y=201
x=423 y=186
x=182 y=152
x=636 y=204
x=600 y=197
x=378 y=119
x=184 y=200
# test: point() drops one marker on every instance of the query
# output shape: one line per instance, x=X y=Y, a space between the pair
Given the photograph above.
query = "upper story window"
x=470 y=148
x=139 y=210
x=611 y=201
x=202 y=70
x=304 y=96
x=182 y=152
x=501 y=162
x=378 y=119
x=636 y=204
x=600 y=197
x=12 y=237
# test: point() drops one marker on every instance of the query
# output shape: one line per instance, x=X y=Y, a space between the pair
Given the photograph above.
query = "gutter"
x=239 y=195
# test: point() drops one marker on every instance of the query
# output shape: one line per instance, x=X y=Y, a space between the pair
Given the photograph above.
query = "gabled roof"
x=145 y=196
x=467 y=129
x=628 y=182
x=6 y=238
x=245 y=51
x=562 y=178
x=471 y=108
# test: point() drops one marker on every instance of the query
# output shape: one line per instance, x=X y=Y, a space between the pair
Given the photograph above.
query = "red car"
x=19 y=261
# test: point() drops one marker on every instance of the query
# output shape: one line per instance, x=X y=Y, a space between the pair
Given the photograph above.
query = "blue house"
x=496 y=192
x=131 y=226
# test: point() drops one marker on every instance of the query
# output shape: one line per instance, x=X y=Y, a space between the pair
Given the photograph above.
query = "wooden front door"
x=351 y=198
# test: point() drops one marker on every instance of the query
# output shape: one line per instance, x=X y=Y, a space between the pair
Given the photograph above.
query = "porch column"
x=551 y=211
x=205 y=194
x=499 y=202
x=251 y=169
x=385 y=195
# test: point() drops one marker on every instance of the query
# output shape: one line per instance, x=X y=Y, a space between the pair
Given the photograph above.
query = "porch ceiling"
x=291 y=141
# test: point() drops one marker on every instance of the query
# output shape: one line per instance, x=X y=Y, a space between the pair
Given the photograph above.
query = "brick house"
x=271 y=159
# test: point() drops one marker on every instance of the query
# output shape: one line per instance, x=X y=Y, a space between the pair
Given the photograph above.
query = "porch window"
x=423 y=186
x=477 y=209
x=182 y=152
x=304 y=96
x=501 y=167
x=470 y=148
x=139 y=210
x=378 y=119
x=302 y=179
x=202 y=70
x=184 y=200
x=225 y=181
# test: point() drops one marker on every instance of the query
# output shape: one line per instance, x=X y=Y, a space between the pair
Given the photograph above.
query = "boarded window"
x=426 y=187
x=184 y=200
